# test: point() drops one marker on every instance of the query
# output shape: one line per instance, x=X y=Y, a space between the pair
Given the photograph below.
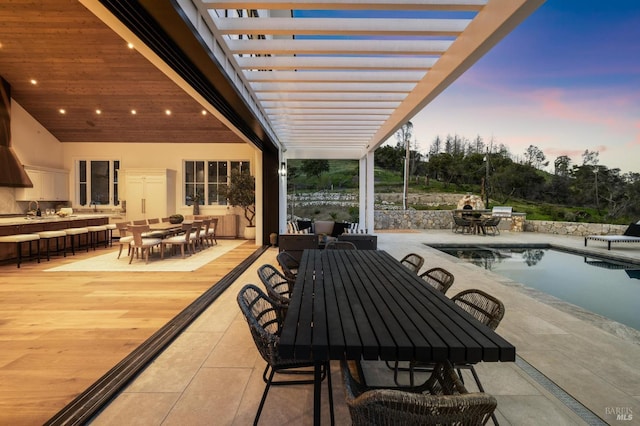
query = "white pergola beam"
x=341 y=26
x=334 y=63
x=316 y=106
x=328 y=111
x=378 y=119
x=333 y=87
x=338 y=47
x=335 y=76
x=329 y=96
x=450 y=5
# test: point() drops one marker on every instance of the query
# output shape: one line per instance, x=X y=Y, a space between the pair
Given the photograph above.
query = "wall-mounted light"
x=282 y=171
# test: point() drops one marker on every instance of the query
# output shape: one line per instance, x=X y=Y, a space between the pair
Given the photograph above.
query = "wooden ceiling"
x=81 y=65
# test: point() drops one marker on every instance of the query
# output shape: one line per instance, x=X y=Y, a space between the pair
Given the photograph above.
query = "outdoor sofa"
x=630 y=235
x=303 y=235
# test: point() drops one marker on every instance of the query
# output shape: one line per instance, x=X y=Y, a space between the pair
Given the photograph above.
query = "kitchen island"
x=35 y=224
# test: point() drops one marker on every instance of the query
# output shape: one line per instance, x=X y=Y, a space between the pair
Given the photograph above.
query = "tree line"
x=462 y=163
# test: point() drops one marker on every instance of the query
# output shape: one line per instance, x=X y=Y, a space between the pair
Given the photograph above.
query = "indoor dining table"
x=364 y=304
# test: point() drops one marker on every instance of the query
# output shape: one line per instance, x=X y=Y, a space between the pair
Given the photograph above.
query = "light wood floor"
x=61 y=331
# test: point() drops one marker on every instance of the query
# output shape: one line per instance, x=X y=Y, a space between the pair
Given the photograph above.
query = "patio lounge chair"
x=630 y=235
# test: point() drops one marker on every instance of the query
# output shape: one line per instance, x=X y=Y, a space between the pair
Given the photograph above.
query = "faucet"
x=95 y=207
x=30 y=204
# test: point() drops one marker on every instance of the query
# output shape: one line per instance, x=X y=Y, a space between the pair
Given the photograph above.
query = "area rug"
x=110 y=261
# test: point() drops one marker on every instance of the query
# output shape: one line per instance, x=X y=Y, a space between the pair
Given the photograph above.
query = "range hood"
x=12 y=172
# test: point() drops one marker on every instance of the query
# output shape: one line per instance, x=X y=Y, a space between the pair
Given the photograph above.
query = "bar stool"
x=110 y=228
x=49 y=235
x=93 y=235
x=72 y=233
x=18 y=239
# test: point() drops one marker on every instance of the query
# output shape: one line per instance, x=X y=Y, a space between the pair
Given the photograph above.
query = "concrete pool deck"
x=212 y=373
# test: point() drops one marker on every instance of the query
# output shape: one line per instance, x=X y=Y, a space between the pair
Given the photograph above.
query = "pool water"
x=605 y=287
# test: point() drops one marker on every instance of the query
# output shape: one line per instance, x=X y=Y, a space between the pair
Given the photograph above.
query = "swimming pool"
x=603 y=286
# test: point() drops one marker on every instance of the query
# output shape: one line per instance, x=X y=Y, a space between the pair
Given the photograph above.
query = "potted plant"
x=241 y=193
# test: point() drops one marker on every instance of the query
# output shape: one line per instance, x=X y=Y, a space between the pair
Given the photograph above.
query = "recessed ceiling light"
x=168 y=112
x=133 y=112
x=34 y=81
x=130 y=45
x=62 y=111
x=204 y=112
x=98 y=111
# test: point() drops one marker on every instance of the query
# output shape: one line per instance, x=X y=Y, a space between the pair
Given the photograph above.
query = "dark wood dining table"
x=364 y=304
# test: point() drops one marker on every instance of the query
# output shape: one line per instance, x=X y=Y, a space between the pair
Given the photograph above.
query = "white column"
x=367 y=198
x=369 y=218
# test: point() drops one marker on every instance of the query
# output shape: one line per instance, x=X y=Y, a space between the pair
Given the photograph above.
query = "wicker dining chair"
x=289 y=266
x=413 y=261
x=443 y=399
x=462 y=223
x=340 y=245
x=438 y=278
x=264 y=318
x=277 y=285
x=490 y=225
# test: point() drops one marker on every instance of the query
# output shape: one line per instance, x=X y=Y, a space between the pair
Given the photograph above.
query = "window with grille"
x=205 y=182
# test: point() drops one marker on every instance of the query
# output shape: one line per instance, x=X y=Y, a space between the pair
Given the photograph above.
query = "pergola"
x=335 y=79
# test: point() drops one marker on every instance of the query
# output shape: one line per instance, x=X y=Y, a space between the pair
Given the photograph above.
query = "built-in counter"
x=23 y=225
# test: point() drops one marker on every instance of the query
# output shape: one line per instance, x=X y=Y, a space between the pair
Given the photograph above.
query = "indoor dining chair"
x=124 y=240
x=182 y=240
x=140 y=243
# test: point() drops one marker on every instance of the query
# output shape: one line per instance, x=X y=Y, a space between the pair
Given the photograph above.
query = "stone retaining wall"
x=433 y=219
x=441 y=219
x=573 y=228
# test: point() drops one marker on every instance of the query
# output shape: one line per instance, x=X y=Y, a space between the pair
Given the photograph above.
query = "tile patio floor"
x=211 y=374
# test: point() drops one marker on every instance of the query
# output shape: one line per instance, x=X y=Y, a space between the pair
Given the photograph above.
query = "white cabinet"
x=48 y=185
x=61 y=185
x=149 y=193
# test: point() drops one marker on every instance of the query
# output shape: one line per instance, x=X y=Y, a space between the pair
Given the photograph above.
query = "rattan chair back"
x=413 y=261
x=289 y=266
x=276 y=284
x=443 y=400
x=482 y=306
x=340 y=245
x=438 y=278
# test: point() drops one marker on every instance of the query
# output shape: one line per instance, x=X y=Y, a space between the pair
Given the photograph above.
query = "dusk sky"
x=567 y=79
